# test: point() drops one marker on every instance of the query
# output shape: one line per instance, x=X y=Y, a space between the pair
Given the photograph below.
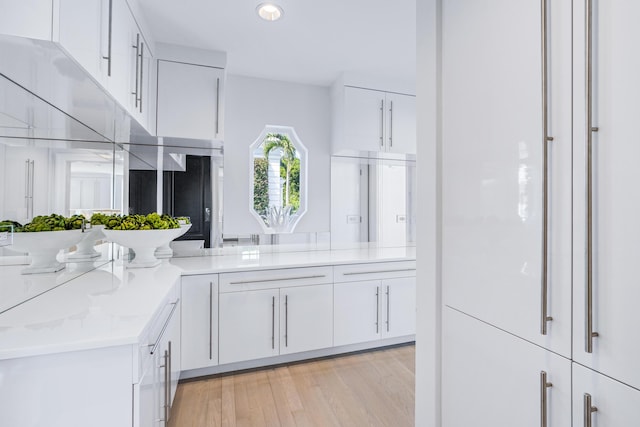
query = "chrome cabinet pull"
x=217 y=106
x=390 y=124
x=141 y=73
x=589 y=409
x=544 y=317
x=273 y=323
x=544 y=385
x=26 y=184
x=382 y=123
x=377 y=308
x=387 y=309
x=210 y=320
x=286 y=320
x=108 y=57
x=165 y=366
x=245 y=282
x=168 y=388
x=164 y=328
x=31 y=188
x=589 y=333
x=354 y=273
x=137 y=48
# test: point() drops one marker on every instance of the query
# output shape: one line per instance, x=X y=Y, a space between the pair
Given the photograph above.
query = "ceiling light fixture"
x=269 y=11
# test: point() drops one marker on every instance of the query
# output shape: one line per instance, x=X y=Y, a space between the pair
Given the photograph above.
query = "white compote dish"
x=143 y=243
x=85 y=248
x=43 y=247
x=165 y=251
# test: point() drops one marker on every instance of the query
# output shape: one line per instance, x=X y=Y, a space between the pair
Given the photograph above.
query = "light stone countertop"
x=113 y=305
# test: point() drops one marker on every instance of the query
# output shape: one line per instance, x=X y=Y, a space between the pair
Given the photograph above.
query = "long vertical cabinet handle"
x=382 y=123
x=390 y=124
x=544 y=316
x=137 y=57
x=589 y=409
x=168 y=388
x=32 y=172
x=273 y=323
x=165 y=366
x=286 y=320
x=26 y=185
x=589 y=333
x=210 y=320
x=217 y=106
x=141 y=74
x=377 y=309
x=108 y=57
x=387 y=293
x=544 y=385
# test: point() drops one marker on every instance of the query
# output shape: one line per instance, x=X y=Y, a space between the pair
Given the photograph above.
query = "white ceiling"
x=313 y=43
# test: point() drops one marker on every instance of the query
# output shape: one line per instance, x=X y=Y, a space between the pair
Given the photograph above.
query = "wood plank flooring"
x=365 y=389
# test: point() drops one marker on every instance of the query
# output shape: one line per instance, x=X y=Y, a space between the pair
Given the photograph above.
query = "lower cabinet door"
x=356 y=312
x=599 y=401
x=492 y=378
x=199 y=321
x=146 y=392
x=306 y=318
x=249 y=325
x=399 y=307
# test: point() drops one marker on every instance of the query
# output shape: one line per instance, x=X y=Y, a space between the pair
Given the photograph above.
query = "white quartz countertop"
x=113 y=305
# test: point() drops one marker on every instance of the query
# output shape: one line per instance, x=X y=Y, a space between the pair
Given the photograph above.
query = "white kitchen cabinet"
x=615 y=230
x=190 y=101
x=506 y=218
x=492 y=378
x=374 y=301
x=375 y=121
x=249 y=325
x=200 y=321
x=272 y=312
x=306 y=318
x=616 y=403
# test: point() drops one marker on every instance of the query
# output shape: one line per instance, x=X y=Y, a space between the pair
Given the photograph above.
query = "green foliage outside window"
x=260 y=186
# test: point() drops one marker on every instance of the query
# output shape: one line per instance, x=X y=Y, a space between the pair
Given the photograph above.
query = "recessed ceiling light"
x=269 y=11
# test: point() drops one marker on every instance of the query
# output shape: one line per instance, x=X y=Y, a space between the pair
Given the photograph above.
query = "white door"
x=145 y=395
x=83 y=31
x=364 y=117
x=616 y=403
x=189 y=100
x=399 y=307
x=401 y=123
x=249 y=325
x=615 y=199
x=493 y=167
x=306 y=318
x=199 y=321
x=356 y=312
x=121 y=82
x=492 y=378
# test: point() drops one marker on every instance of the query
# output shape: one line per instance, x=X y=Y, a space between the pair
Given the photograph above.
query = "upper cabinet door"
x=364 y=119
x=507 y=218
x=606 y=248
x=189 y=100
x=123 y=37
x=401 y=123
x=83 y=31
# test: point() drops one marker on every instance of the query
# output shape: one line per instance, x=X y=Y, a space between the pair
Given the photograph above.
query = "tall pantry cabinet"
x=538 y=234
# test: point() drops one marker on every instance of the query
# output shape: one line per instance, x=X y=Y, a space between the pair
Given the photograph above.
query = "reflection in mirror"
x=179 y=180
x=278 y=189
x=372 y=202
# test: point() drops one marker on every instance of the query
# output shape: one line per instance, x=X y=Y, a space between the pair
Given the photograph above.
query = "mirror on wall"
x=278 y=179
x=372 y=202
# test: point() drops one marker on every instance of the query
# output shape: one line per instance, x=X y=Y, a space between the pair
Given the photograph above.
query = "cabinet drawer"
x=278 y=278
x=373 y=271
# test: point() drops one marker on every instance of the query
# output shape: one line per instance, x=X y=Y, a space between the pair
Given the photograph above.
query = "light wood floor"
x=365 y=389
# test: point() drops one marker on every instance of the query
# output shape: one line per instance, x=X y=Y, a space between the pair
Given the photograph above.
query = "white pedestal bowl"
x=143 y=243
x=165 y=251
x=43 y=247
x=85 y=250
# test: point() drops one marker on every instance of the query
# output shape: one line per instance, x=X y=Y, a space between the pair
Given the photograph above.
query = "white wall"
x=252 y=103
x=428 y=299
